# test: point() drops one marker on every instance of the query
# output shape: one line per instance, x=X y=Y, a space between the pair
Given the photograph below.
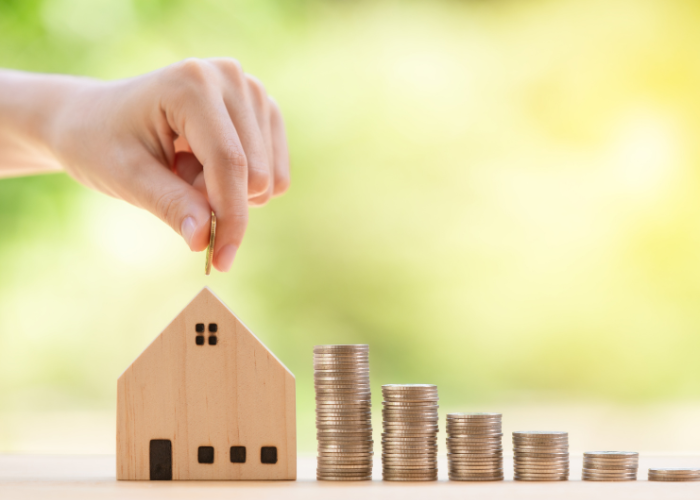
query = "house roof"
x=207 y=295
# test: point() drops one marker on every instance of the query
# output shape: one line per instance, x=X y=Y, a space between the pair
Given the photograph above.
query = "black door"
x=161 y=458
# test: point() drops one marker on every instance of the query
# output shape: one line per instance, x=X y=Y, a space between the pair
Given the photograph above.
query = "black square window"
x=268 y=454
x=199 y=328
x=205 y=455
x=213 y=327
x=199 y=340
x=212 y=340
x=238 y=454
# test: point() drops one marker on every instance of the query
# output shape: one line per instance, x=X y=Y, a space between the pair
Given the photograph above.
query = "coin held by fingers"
x=210 y=248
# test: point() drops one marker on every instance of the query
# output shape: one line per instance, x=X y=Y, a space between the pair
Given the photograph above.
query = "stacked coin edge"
x=541 y=456
x=343 y=412
x=474 y=446
x=410 y=425
x=674 y=474
x=610 y=466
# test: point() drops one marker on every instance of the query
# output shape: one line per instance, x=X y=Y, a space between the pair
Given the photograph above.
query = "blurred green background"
x=500 y=197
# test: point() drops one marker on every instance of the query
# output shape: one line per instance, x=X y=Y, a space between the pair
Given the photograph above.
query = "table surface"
x=90 y=477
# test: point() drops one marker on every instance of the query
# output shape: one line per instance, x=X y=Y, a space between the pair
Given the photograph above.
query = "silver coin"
x=609 y=477
x=409 y=465
x=633 y=460
x=590 y=473
x=611 y=454
x=472 y=471
x=523 y=476
x=341 y=370
x=410 y=471
x=404 y=464
x=349 y=451
x=675 y=470
x=538 y=444
x=540 y=433
x=475 y=415
x=341 y=347
x=610 y=471
x=472 y=459
x=477 y=429
x=410 y=478
x=475 y=475
x=454 y=477
x=340 y=352
x=476 y=438
x=322 y=477
x=593 y=477
x=402 y=412
x=594 y=465
x=341 y=418
x=408 y=387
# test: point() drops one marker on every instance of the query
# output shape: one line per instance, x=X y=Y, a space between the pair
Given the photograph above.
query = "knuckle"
x=257 y=90
x=193 y=70
x=235 y=159
x=258 y=180
x=281 y=185
x=259 y=201
x=231 y=69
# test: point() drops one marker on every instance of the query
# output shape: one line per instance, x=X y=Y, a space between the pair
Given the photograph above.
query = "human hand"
x=196 y=136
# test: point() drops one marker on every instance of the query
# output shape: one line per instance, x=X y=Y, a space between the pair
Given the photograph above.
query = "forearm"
x=29 y=106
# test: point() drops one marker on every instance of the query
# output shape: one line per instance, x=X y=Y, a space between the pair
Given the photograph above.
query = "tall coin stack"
x=541 y=456
x=674 y=474
x=610 y=465
x=343 y=412
x=474 y=449
x=409 y=441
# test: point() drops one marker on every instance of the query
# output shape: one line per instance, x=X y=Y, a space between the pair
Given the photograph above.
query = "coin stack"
x=674 y=474
x=409 y=441
x=541 y=456
x=343 y=412
x=610 y=465
x=474 y=449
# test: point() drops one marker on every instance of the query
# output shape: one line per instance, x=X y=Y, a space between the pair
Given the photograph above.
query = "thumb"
x=175 y=202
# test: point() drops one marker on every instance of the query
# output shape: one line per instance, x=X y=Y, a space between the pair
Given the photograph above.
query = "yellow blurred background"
x=501 y=197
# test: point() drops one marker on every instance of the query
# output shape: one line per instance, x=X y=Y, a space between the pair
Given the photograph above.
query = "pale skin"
x=185 y=140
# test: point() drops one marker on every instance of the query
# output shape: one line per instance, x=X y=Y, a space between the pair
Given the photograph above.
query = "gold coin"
x=210 y=248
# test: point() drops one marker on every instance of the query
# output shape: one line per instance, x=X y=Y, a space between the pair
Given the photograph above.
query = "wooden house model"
x=206 y=400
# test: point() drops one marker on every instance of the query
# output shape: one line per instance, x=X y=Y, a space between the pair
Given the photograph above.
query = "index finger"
x=215 y=142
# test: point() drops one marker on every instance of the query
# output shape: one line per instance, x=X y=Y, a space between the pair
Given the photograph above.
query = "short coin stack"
x=343 y=412
x=610 y=465
x=541 y=456
x=674 y=474
x=474 y=448
x=409 y=441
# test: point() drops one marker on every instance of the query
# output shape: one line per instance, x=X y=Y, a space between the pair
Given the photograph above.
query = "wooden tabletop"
x=89 y=477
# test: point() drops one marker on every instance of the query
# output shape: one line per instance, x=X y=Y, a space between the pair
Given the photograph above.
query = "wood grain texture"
x=234 y=393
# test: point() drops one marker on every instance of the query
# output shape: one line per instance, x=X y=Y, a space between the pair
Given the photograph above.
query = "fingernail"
x=225 y=257
x=189 y=226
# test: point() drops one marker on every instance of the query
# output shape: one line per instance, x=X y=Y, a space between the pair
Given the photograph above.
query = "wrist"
x=31 y=106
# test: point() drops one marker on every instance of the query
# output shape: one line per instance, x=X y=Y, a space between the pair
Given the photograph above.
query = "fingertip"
x=259 y=180
x=224 y=257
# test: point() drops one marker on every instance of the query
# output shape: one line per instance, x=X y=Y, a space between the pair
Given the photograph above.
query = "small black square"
x=212 y=340
x=213 y=327
x=268 y=454
x=238 y=454
x=199 y=340
x=199 y=328
x=205 y=455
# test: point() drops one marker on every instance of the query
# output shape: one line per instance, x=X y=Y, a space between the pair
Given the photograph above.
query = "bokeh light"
x=500 y=197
